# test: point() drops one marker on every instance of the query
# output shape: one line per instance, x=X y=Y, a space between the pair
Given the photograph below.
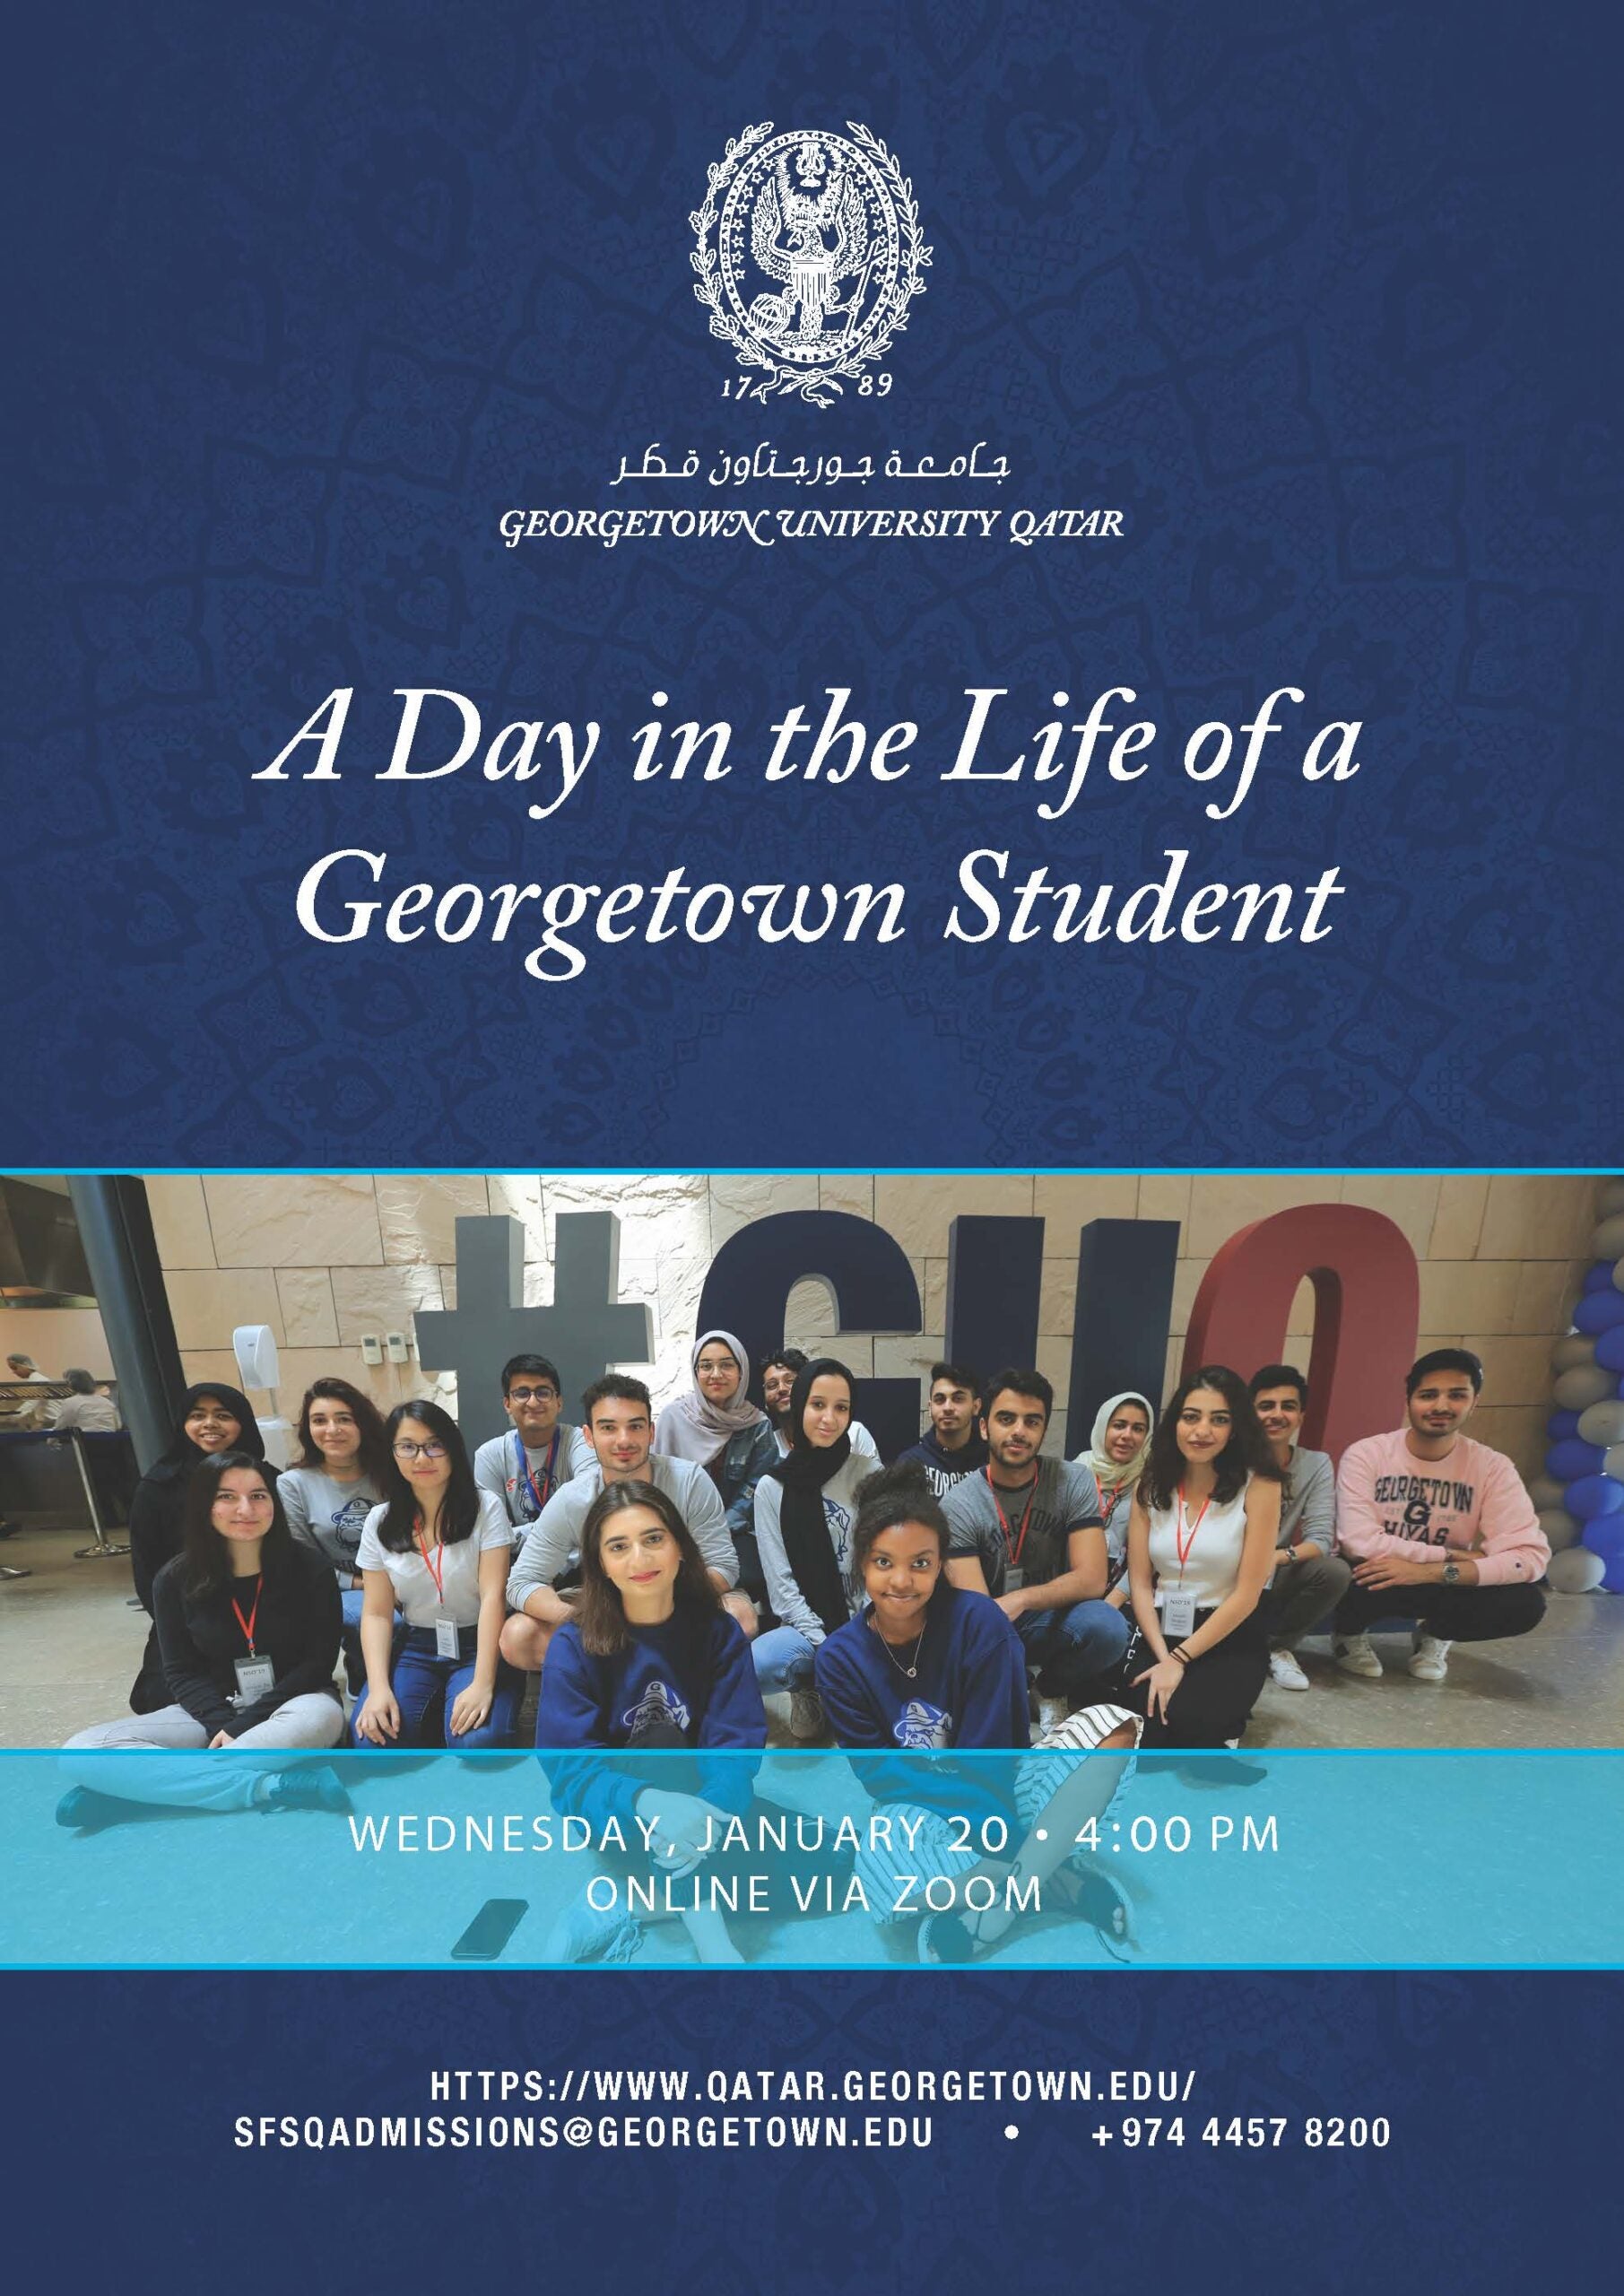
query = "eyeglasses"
x=532 y=1395
x=419 y=1450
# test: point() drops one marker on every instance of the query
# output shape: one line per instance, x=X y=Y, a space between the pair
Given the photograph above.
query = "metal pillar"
x=116 y=1229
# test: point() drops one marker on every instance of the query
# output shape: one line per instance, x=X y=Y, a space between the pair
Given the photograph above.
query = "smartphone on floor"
x=489 y=1929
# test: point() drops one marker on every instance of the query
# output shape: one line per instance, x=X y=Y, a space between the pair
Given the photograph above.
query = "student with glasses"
x=540 y=1452
x=438 y=1547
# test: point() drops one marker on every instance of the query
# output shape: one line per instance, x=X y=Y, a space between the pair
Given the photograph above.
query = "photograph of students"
x=212 y=1419
x=1119 y=1448
x=1439 y=1529
x=540 y=1452
x=1310 y=1578
x=619 y=1423
x=438 y=1548
x=342 y=1474
x=247 y=1634
x=649 y=1658
x=806 y=1510
x=720 y=1429
x=1202 y=1535
x=926 y=1666
x=1026 y=1530
x=779 y=1385
x=952 y=1447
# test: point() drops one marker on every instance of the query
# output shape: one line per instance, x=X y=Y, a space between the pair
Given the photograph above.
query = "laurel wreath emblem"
x=819 y=385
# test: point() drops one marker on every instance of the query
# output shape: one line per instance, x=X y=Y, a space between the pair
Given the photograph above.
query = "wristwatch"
x=1451 y=1574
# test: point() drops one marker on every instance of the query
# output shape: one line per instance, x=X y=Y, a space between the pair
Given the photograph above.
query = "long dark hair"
x=896 y=1495
x=600 y=1617
x=460 y=1509
x=208 y=1564
x=374 y=1456
x=1245 y=1453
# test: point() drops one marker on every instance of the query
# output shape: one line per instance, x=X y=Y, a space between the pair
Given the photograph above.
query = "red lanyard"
x=1181 y=1545
x=436 y=1570
x=247 y=1624
x=1109 y=1494
x=1012 y=1546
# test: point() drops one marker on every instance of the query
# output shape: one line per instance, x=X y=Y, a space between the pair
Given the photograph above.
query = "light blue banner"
x=1288 y=1860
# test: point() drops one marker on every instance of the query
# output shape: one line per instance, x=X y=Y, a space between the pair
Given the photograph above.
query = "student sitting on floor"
x=1027 y=1531
x=248 y=1637
x=439 y=1548
x=1439 y=1529
x=651 y=1659
x=1310 y=1579
x=1201 y=1535
x=927 y=1665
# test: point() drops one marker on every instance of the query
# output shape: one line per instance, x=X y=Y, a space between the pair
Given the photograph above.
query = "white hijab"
x=693 y=1427
x=1116 y=1474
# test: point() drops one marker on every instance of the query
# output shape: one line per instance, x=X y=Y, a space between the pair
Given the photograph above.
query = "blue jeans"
x=1075 y=1646
x=427 y=1686
x=782 y=1660
x=349 y=1600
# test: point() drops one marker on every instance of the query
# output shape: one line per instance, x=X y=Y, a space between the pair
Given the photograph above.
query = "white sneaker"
x=805 y=1715
x=1051 y=1713
x=1429 y=1660
x=1284 y=1671
x=1356 y=1655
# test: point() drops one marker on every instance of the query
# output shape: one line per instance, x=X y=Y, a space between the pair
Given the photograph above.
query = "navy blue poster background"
x=1500 y=2174
x=1323 y=293
x=1319 y=292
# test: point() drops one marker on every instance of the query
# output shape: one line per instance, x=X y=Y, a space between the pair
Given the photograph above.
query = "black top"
x=296 y=1628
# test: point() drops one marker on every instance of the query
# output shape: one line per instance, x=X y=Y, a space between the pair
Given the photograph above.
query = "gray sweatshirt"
x=553 y=1542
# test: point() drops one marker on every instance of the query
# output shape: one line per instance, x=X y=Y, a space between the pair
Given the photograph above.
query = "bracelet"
x=1179 y=1654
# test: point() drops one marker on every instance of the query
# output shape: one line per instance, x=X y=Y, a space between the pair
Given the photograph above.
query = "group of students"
x=665 y=1576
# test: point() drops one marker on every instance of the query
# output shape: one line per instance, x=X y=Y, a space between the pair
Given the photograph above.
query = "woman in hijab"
x=719 y=1429
x=212 y=1419
x=1115 y=1458
x=805 y=1513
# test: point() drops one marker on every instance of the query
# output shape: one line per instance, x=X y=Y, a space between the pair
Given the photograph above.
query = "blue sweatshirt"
x=970 y=1693
x=690 y=1681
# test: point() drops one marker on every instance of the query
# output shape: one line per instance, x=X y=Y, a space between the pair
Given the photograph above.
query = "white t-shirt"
x=415 y=1590
x=1213 y=1543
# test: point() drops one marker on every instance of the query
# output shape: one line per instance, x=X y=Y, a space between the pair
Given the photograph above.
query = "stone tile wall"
x=324 y=1258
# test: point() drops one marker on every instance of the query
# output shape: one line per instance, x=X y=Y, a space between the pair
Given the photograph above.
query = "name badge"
x=1014 y=1578
x=1177 y=1613
x=447 y=1644
x=255 y=1678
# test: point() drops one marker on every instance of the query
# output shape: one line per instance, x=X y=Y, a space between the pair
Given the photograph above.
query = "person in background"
x=1310 y=1578
x=619 y=1421
x=342 y=1474
x=719 y=1429
x=542 y=1453
x=952 y=1446
x=247 y=1628
x=92 y=1413
x=778 y=1374
x=438 y=1546
x=1027 y=1531
x=1201 y=1535
x=649 y=1658
x=27 y=1413
x=24 y=1370
x=212 y=1419
x=804 y=1513
x=1115 y=1458
x=1440 y=1527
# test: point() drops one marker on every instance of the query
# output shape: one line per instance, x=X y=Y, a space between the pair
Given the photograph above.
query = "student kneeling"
x=1202 y=1537
x=247 y=1627
x=438 y=1547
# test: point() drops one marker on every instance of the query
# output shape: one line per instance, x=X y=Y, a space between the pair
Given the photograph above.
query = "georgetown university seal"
x=809 y=252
